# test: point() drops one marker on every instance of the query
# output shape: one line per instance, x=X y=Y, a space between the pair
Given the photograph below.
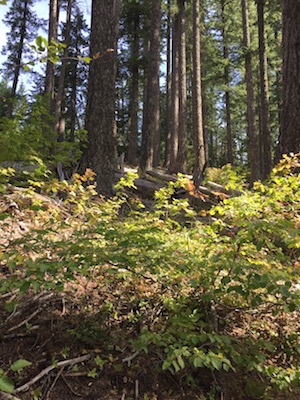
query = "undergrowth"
x=213 y=284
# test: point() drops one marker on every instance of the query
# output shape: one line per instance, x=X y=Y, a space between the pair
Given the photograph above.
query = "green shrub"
x=207 y=277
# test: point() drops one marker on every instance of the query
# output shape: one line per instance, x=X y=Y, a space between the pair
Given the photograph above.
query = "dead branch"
x=54 y=382
x=11 y=294
x=21 y=335
x=46 y=371
x=132 y=357
x=7 y=396
x=19 y=308
x=25 y=321
x=70 y=387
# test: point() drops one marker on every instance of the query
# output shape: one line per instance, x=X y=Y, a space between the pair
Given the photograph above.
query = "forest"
x=149 y=200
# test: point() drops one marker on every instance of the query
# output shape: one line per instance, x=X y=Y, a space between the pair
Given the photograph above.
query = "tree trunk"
x=175 y=95
x=146 y=51
x=198 y=135
x=265 y=162
x=278 y=91
x=100 y=123
x=182 y=137
x=20 y=50
x=18 y=60
x=151 y=120
x=62 y=77
x=230 y=156
x=73 y=100
x=134 y=94
x=156 y=92
x=74 y=76
x=289 y=139
x=52 y=35
x=168 y=90
x=253 y=152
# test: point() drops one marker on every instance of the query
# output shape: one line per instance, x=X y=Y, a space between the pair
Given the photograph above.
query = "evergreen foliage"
x=21 y=19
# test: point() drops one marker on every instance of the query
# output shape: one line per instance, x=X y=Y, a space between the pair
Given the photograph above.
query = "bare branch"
x=46 y=371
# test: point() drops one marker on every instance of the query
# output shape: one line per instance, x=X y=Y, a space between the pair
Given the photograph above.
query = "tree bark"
x=151 y=120
x=229 y=141
x=266 y=163
x=198 y=134
x=100 y=123
x=52 y=35
x=168 y=90
x=134 y=94
x=146 y=51
x=20 y=49
x=182 y=137
x=289 y=139
x=174 y=95
x=252 y=135
x=62 y=78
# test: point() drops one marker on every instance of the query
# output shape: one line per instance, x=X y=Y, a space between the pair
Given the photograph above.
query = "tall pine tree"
x=24 y=25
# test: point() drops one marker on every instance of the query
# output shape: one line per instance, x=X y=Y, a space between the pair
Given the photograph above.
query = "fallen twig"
x=46 y=371
x=24 y=322
x=22 y=334
x=54 y=382
x=11 y=294
x=70 y=387
x=7 y=396
x=18 y=309
x=130 y=358
x=136 y=389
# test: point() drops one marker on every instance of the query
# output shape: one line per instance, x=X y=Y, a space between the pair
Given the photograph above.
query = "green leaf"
x=87 y=59
x=176 y=366
x=226 y=280
x=10 y=305
x=180 y=362
x=20 y=364
x=38 y=41
x=284 y=290
x=6 y=385
x=259 y=245
x=166 y=365
x=24 y=286
x=92 y=373
x=198 y=362
x=216 y=363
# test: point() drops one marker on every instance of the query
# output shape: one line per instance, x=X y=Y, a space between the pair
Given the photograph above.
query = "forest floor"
x=49 y=329
x=80 y=350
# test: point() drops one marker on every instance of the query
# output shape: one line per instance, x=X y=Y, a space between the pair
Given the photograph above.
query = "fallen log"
x=160 y=175
x=155 y=179
x=219 y=188
x=146 y=187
